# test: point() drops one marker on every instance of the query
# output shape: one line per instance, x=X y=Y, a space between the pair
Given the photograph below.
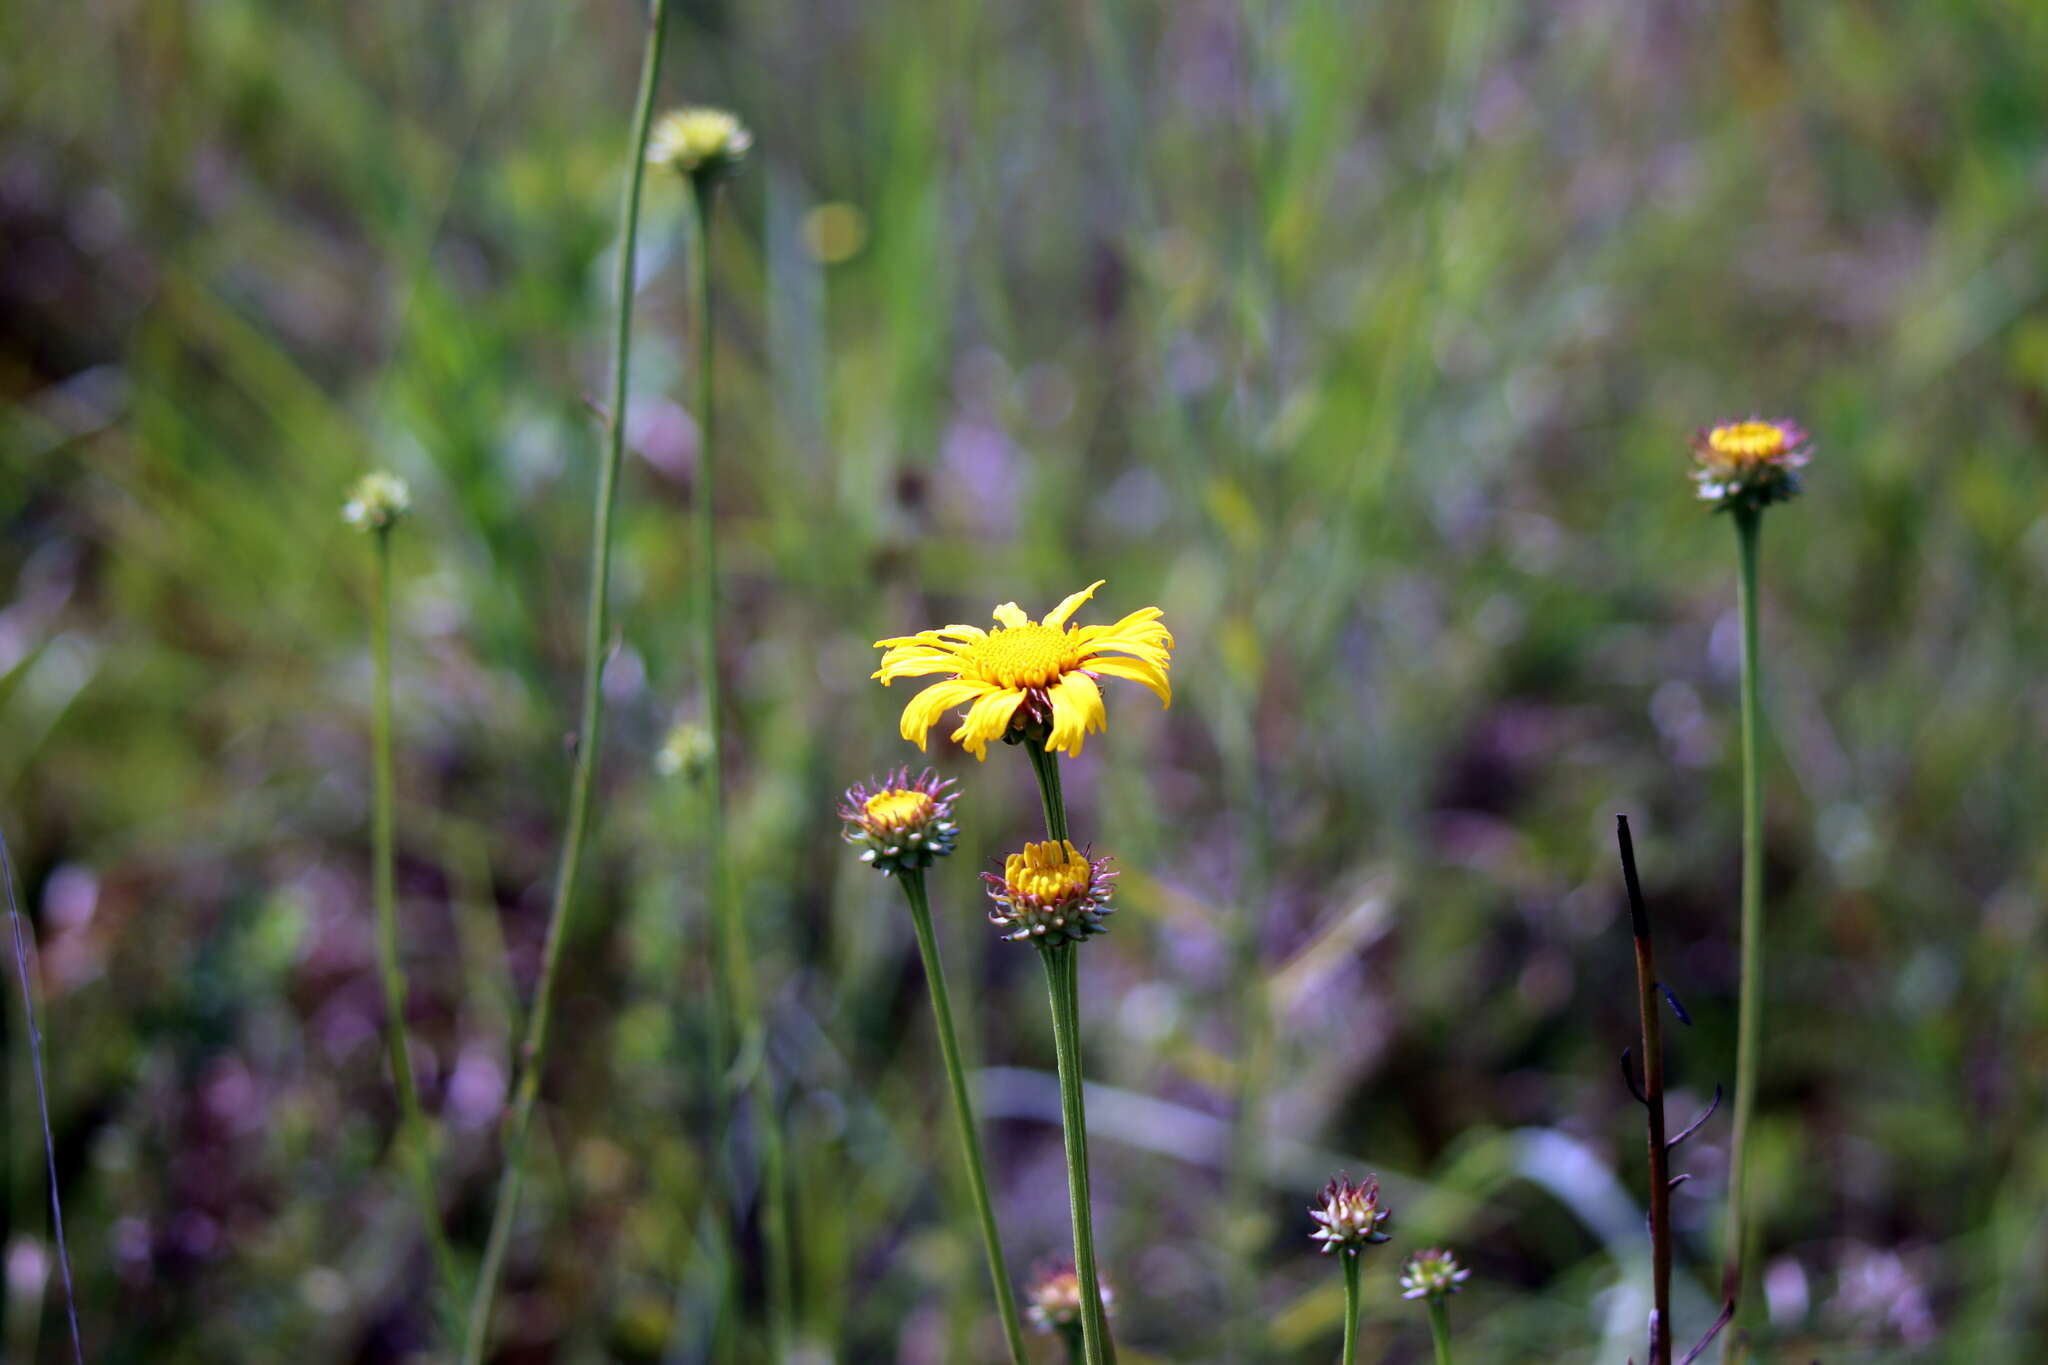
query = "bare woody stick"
x=1650 y=1094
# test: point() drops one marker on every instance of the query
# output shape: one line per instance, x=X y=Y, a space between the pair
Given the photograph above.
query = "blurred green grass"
x=1365 y=340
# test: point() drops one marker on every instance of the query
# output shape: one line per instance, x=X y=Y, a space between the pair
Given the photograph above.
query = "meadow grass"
x=1375 y=379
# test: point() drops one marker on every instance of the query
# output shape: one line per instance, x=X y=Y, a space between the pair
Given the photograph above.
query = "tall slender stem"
x=533 y=1049
x=1748 y=525
x=1350 y=1260
x=1440 y=1330
x=1060 y=978
x=1051 y=799
x=1063 y=976
x=736 y=958
x=1653 y=1103
x=35 y=1057
x=963 y=1109
x=414 y=1137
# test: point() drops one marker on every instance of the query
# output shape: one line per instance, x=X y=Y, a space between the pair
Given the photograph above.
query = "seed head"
x=1749 y=464
x=1054 y=1298
x=699 y=142
x=1350 y=1217
x=1432 y=1275
x=900 y=824
x=377 y=502
x=1051 y=892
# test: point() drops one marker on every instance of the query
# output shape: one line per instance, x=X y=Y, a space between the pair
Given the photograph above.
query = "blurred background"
x=1364 y=339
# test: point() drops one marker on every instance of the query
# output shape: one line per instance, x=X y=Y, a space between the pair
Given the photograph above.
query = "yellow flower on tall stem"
x=1027 y=672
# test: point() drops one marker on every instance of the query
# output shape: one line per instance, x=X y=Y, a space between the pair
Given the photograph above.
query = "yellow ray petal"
x=1076 y=711
x=913 y=661
x=1010 y=616
x=1057 y=617
x=926 y=707
x=1139 y=625
x=1137 y=670
x=930 y=639
x=988 y=718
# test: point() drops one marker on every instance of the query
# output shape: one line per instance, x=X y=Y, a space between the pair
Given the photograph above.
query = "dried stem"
x=1653 y=1103
x=35 y=1057
x=533 y=1050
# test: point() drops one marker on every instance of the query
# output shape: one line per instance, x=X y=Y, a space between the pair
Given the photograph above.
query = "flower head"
x=1027 y=672
x=377 y=502
x=900 y=824
x=1054 y=1298
x=1051 y=892
x=699 y=141
x=686 y=751
x=1432 y=1275
x=1749 y=464
x=1350 y=1216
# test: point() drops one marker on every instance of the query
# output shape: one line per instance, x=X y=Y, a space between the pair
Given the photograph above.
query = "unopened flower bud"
x=901 y=824
x=685 y=752
x=1350 y=1217
x=1053 y=1299
x=377 y=502
x=1432 y=1275
x=1751 y=464
x=1051 y=892
x=699 y=142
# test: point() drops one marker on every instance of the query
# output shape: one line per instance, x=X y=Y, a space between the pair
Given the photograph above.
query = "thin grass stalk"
x=1440 y=1330
x=736 y=958
x=1350 y=1260
x=414 y=1135
x=1748 y=525
x=533 y=1050
x=35 y=1058
x=963 y=1110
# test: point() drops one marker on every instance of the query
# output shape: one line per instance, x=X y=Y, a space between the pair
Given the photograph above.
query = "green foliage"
x=1364 y=340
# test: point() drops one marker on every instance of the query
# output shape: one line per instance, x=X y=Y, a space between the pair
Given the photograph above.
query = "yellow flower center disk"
x=1748 y=440
x=1023 y=656
x=1050 y=871
x=895 y=808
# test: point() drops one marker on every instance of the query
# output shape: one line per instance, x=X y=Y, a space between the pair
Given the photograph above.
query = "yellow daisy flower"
x=1027 y=672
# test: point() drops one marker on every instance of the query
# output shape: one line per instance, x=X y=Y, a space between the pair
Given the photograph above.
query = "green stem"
x=1748 y=524
x=736 y=957
x=1051 y=799
x=414 y=1136
x=1061 y=976
x=1440 y=1329
x=1350 y=1259
x=533 y=1049
x=963 y=1109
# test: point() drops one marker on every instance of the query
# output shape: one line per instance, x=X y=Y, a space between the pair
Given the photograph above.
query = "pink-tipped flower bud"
x=900 y=823
x=1350 y=1217
x=1432 y=1275
x=1050 y=893
x=1749 y=465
